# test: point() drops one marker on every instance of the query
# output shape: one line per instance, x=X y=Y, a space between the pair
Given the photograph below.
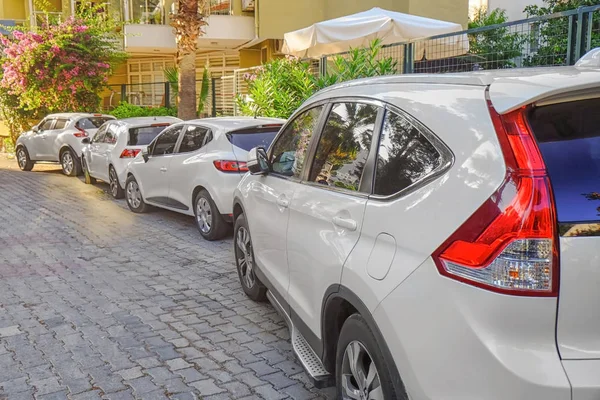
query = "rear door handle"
x=345 y=223
x=283 y=202
x=163 y=169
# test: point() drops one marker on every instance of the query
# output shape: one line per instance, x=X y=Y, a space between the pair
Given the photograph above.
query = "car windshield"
x=250 y=138
x=92 y=122
x=143 y=135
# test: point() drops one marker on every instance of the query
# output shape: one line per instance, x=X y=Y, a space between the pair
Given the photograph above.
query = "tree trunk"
x=187 y=87
x=188 y=23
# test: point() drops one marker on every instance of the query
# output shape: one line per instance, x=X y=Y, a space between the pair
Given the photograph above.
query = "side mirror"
x=258 y=161
x=35 y=129
x=145 y=154
x=86 y=140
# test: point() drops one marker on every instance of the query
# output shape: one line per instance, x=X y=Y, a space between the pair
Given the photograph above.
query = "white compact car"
x=193 y=168
x=435 y=237
x=107 y=155
x=58 y=138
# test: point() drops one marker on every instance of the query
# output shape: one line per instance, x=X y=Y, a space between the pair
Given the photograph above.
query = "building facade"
x=239 y=34
x=514 y=8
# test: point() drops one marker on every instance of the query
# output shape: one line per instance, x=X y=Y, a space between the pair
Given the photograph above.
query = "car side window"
x=166 y=141
x=99 y=136
x=60 y=123
x=46 y=124
x=193 y=138
x=208 y=138
x=111 y=134
x=289 y=150
x=405 y=155
x=344 y=146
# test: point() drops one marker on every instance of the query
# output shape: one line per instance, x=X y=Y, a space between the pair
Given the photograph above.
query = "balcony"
x=150 y=31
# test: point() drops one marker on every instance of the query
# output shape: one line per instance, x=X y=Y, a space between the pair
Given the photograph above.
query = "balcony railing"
x=157 y=11
x=41 y=18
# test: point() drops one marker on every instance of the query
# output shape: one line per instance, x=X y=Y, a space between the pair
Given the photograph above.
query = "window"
x=405 y=156
x=344 y=146
x=92 y=122
x=111 y=134
x=166 y=141
x=146 y=78
x=60 y=123
x=99 y=136
x=144 y=135
x=289 y=151
x=46 y=124
x=248 y=139
x=192 y=139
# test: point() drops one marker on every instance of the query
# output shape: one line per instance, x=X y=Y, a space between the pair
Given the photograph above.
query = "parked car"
x=435 y=236
x=58 y=138
x=193 y=168
x=117 y=142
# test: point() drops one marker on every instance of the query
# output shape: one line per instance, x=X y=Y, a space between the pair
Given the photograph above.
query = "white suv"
x=435 y=236
x=58 y=138
x=115 y=144
x=193 y=168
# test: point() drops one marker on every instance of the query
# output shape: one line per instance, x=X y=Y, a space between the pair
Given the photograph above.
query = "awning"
x=358 y=30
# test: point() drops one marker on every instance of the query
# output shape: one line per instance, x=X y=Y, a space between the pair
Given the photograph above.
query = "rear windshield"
x=92 y=122
x=568 y=135
x=143 y=135
x=250 y=138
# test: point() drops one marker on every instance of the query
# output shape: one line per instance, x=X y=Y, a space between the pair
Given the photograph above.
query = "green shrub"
x=9 y=147
x=127 y=110
x=280 y=86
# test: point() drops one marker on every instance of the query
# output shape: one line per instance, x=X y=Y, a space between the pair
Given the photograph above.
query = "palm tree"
x=188 y=22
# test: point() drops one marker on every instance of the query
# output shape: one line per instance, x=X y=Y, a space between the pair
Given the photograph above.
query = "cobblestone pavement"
x=98 y=302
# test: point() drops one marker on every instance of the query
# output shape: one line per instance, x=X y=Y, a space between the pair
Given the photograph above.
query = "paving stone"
x=46 y=386
x=10 y=331
x=130 y=373
x=207 y=387
x=191 y=375
x=178 y=363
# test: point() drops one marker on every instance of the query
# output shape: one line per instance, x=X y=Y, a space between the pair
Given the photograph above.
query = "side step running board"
x=310 y=361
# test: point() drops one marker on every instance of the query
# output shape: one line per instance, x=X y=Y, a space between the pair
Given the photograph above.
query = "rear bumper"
x=584 y=376
x=453 y=341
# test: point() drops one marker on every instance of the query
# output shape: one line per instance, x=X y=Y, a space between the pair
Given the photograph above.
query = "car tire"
x=25 y=163
x=244 y=260
x=69 y=163
x=88 y=179
x=357 y=345
x=115 y=187
x=209 y=221
x=135 y=201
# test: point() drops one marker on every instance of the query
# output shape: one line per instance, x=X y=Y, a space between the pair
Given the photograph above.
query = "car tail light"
x=230 y=166
x=80 y=133
x=129 y=153
x=509 y=245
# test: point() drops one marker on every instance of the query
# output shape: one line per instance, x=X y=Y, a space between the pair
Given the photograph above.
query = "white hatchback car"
x=435 y=236
x=193 y=168
x=107 y=155
x=58 y=138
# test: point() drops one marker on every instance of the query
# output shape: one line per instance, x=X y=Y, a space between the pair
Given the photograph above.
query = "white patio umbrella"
x=358 y=30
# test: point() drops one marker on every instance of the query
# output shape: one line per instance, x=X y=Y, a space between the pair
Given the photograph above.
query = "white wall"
x=514 y=8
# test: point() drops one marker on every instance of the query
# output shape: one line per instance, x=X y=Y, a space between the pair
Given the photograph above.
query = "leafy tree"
x=172 y=76
x=188 y=23
x=497 y=47
x=552 y=36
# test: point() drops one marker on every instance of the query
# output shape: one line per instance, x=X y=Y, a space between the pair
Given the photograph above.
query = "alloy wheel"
x=360 y=379
x=112 y=180
x=203 y=215
x=21 y=158
x=245 y=259
x=134 y=197
x=67 y=162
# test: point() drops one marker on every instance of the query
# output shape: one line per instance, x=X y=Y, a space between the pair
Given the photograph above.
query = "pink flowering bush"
x=57 y=68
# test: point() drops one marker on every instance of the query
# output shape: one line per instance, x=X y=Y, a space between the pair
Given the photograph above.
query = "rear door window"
x=568 y=136
x=192 y=139
x=248 y=139
x=61 y=123
x=143 y=136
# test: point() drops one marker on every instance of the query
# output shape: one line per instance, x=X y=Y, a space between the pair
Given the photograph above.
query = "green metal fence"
x=555 y=39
